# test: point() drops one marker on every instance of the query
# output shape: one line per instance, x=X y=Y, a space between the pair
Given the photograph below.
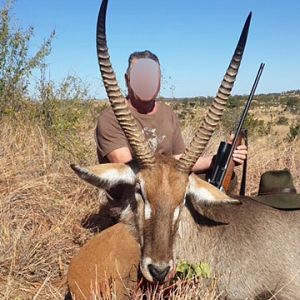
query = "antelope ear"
x=106 y=176
x=206 y=194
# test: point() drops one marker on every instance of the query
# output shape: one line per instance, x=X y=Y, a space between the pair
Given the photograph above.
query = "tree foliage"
x=16 y=62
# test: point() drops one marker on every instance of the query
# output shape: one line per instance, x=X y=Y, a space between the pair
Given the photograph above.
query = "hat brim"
x=281 y=201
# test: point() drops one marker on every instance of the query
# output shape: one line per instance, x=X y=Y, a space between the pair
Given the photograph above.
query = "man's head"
x=143 y=76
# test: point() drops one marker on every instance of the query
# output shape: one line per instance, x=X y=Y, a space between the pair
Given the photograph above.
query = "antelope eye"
x=140 y=195
x=138 y=189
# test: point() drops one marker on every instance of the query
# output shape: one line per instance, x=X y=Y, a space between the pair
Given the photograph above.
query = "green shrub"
x=185 y=270
x=64 y=110
x=294 y=131
x=231 y=119
x=16 y=65
x=282 y=121
x=256 y=126
x=292 y=104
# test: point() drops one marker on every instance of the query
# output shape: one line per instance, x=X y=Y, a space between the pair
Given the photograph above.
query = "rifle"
x=223 y=167
x=244 y=172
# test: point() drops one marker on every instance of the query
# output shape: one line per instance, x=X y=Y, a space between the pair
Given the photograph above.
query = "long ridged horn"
x=134 y=135
x=215 y=111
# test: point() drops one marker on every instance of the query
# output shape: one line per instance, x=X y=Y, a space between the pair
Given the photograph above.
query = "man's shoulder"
x=165 y=108
x=107 y=114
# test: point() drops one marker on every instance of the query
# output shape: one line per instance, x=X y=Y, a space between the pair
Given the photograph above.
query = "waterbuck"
x=172 y=213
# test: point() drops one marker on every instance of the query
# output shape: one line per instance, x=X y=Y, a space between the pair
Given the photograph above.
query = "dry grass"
x=193 y=288
x=43 y=207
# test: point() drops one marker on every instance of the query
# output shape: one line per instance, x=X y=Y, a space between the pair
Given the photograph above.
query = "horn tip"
x=248 y=20
x=73 y=166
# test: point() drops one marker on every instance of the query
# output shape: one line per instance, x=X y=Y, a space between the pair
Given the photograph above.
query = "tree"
x=16 y=65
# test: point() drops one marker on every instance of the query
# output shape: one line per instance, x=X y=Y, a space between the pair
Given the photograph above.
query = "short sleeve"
x=109 y=135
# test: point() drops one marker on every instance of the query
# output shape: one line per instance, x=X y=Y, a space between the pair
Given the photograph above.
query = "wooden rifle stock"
x=222 y=172
x=229 y=171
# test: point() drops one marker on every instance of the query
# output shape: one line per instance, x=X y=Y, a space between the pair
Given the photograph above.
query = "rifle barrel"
x=241 y=122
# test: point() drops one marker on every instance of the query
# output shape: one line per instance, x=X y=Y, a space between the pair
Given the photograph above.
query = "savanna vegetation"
x=45 y=211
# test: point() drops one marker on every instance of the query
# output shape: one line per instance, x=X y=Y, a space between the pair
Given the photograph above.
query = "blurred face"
x=143 y=79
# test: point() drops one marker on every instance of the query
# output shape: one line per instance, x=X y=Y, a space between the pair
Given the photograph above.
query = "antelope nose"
x=158 y=273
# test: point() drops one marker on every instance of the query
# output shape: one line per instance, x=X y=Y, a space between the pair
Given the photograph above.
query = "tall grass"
x=41 y=209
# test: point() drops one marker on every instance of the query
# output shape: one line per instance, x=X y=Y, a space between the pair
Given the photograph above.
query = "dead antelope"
x=253 y=248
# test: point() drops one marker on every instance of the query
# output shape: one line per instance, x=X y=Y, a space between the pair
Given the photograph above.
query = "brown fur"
x=158 y=179
x=253 y=248
x=163 y=200
x=108 y=261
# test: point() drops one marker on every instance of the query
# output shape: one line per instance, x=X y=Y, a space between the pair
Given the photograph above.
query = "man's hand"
x=240 y=153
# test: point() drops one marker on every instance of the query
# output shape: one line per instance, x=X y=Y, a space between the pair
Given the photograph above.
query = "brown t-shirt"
x=161 y=130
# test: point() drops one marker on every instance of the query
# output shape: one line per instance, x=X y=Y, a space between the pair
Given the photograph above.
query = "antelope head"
x=157 y=185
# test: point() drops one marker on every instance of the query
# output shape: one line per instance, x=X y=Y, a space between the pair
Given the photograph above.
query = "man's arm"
x=121 y=155
x=111 y=141
x=204 y=164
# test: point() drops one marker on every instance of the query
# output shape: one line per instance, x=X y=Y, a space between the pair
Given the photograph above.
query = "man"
x=157 y=120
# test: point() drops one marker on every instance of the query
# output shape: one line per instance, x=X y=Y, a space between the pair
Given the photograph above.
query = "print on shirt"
x=153 y=139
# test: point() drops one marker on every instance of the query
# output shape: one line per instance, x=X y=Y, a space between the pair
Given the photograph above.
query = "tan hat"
x=276 y=189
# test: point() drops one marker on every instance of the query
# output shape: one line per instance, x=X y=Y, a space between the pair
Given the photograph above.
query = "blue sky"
x=194 y=40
